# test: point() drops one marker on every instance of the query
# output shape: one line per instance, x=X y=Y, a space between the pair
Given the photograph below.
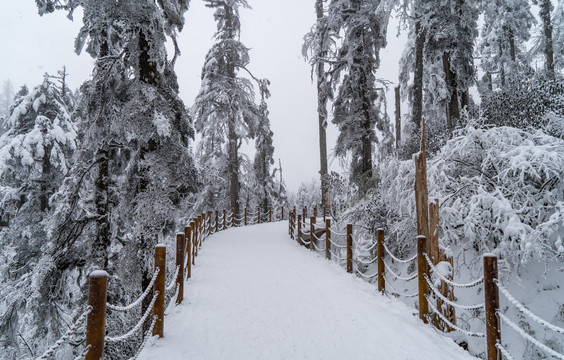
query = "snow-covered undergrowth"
x=500 y=190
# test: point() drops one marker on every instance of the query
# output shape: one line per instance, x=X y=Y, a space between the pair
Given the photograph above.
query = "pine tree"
x=264 y=159
x=225 y=113
x=36 y=153
x=364 y=26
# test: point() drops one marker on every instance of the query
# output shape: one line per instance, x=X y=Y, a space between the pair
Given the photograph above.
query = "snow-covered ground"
x=256 y=294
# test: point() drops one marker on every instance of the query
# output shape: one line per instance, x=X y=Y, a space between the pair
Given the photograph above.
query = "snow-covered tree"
x=36 y=153
x=363 y=25
x=225 y=112
x=264 y=159
x=507 y=27
x=6 y=99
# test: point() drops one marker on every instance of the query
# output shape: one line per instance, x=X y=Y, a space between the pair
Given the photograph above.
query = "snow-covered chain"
x=446 y=300
x=137 y=326
x=451 y=325
x=450 y=282
x=504 y=351
x=526 y=311
x=403 y=261
x=400 y=277
x=389 y=284
x=147 y=337
x=173 y=281
x=140 y=299
x=82 y=355
x=337 y=245
x=366 y=276
x=528 y=337
x=66 y=336
x=358 y=261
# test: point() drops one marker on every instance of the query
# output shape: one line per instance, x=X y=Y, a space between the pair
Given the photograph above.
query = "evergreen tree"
x=356 y=113
x=36 y=153
x=225 y=112
x=264 y=157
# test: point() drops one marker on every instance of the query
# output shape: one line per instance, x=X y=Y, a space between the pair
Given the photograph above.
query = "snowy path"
x=255 y=294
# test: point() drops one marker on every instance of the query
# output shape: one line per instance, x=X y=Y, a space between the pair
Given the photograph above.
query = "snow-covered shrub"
x=500 y=190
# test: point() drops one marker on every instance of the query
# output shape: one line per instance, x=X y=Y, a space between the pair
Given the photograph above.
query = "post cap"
x=160 y=246
x=98 y=274
x=489 y=255
x=421 y=237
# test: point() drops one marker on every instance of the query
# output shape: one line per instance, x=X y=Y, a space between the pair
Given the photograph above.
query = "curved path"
x=256 y=294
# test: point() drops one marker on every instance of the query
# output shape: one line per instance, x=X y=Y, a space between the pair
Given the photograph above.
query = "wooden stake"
x=245 y=216
x=312 y=233
x=491 y=293
x=216 y=221
x=96 y=320
x=158 y=309
x=180 y=242
x=282 y=213
x=380 y=254
x=421 y=271
x=258 y=215
x=433 y=241
x=270 y=214
x=349 y=248
x=224 y=220
x=300 y=229
x=328 y=239
x=188 y=237
x=194 y=247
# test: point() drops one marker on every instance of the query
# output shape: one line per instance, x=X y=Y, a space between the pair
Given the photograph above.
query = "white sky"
x=31 y=45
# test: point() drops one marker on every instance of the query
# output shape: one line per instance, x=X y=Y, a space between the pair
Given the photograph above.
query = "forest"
x=93 y=178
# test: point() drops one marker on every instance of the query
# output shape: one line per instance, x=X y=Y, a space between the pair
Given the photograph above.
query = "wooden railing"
x=188 y=245
x=435 y=289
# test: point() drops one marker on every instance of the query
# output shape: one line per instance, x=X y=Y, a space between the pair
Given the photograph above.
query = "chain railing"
x=435 y=288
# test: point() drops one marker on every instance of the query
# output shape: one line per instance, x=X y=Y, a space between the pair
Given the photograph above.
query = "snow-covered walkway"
x=256 y=294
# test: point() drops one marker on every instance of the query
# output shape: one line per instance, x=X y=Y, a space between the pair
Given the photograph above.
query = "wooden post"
x=433 y=241
x=194 y=248
x=299 y=229
x=188 y=237
x=209 y=223
x=196 y=236
x=315 y=211
x=158 y=309
x=421 y=271
x=349 y=248
x=199 y=235
x=380 y=254
x=270 y=214
x=216 y=221
x=224 y=220
x=258 y=215
x=232 y=217
x=328 y=239
x=245 y=216
x=491 y=293
x=448 y=291
x=282 y=213
x=311 y=233
x=180 y=242
x=96 y=320
x=203 y=237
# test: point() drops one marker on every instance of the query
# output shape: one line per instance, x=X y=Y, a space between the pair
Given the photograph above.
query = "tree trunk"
x=545 y=9
x=321 y=108
x=233 y=168
x=101 y=199
x=453 y=111
x=418 y=75
x=398 y=118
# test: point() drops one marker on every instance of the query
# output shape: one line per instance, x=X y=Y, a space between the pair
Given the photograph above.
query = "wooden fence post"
x=349 y=248
x=194 y=247
x=245 y=216
x=299 y=229
x=159 y=307
x=311 y=233
x=282 y=213
x=328 y=239
x=224 y=220
x=188 y=237
x=209 y=223
x=270 y=214
x=180 y=242
x=315 y=211
x=258 y=215
x=96 y=320
x=380 y=254
x=421 y=272
x=195 y=235
x=216 y=221
x=491 y=293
